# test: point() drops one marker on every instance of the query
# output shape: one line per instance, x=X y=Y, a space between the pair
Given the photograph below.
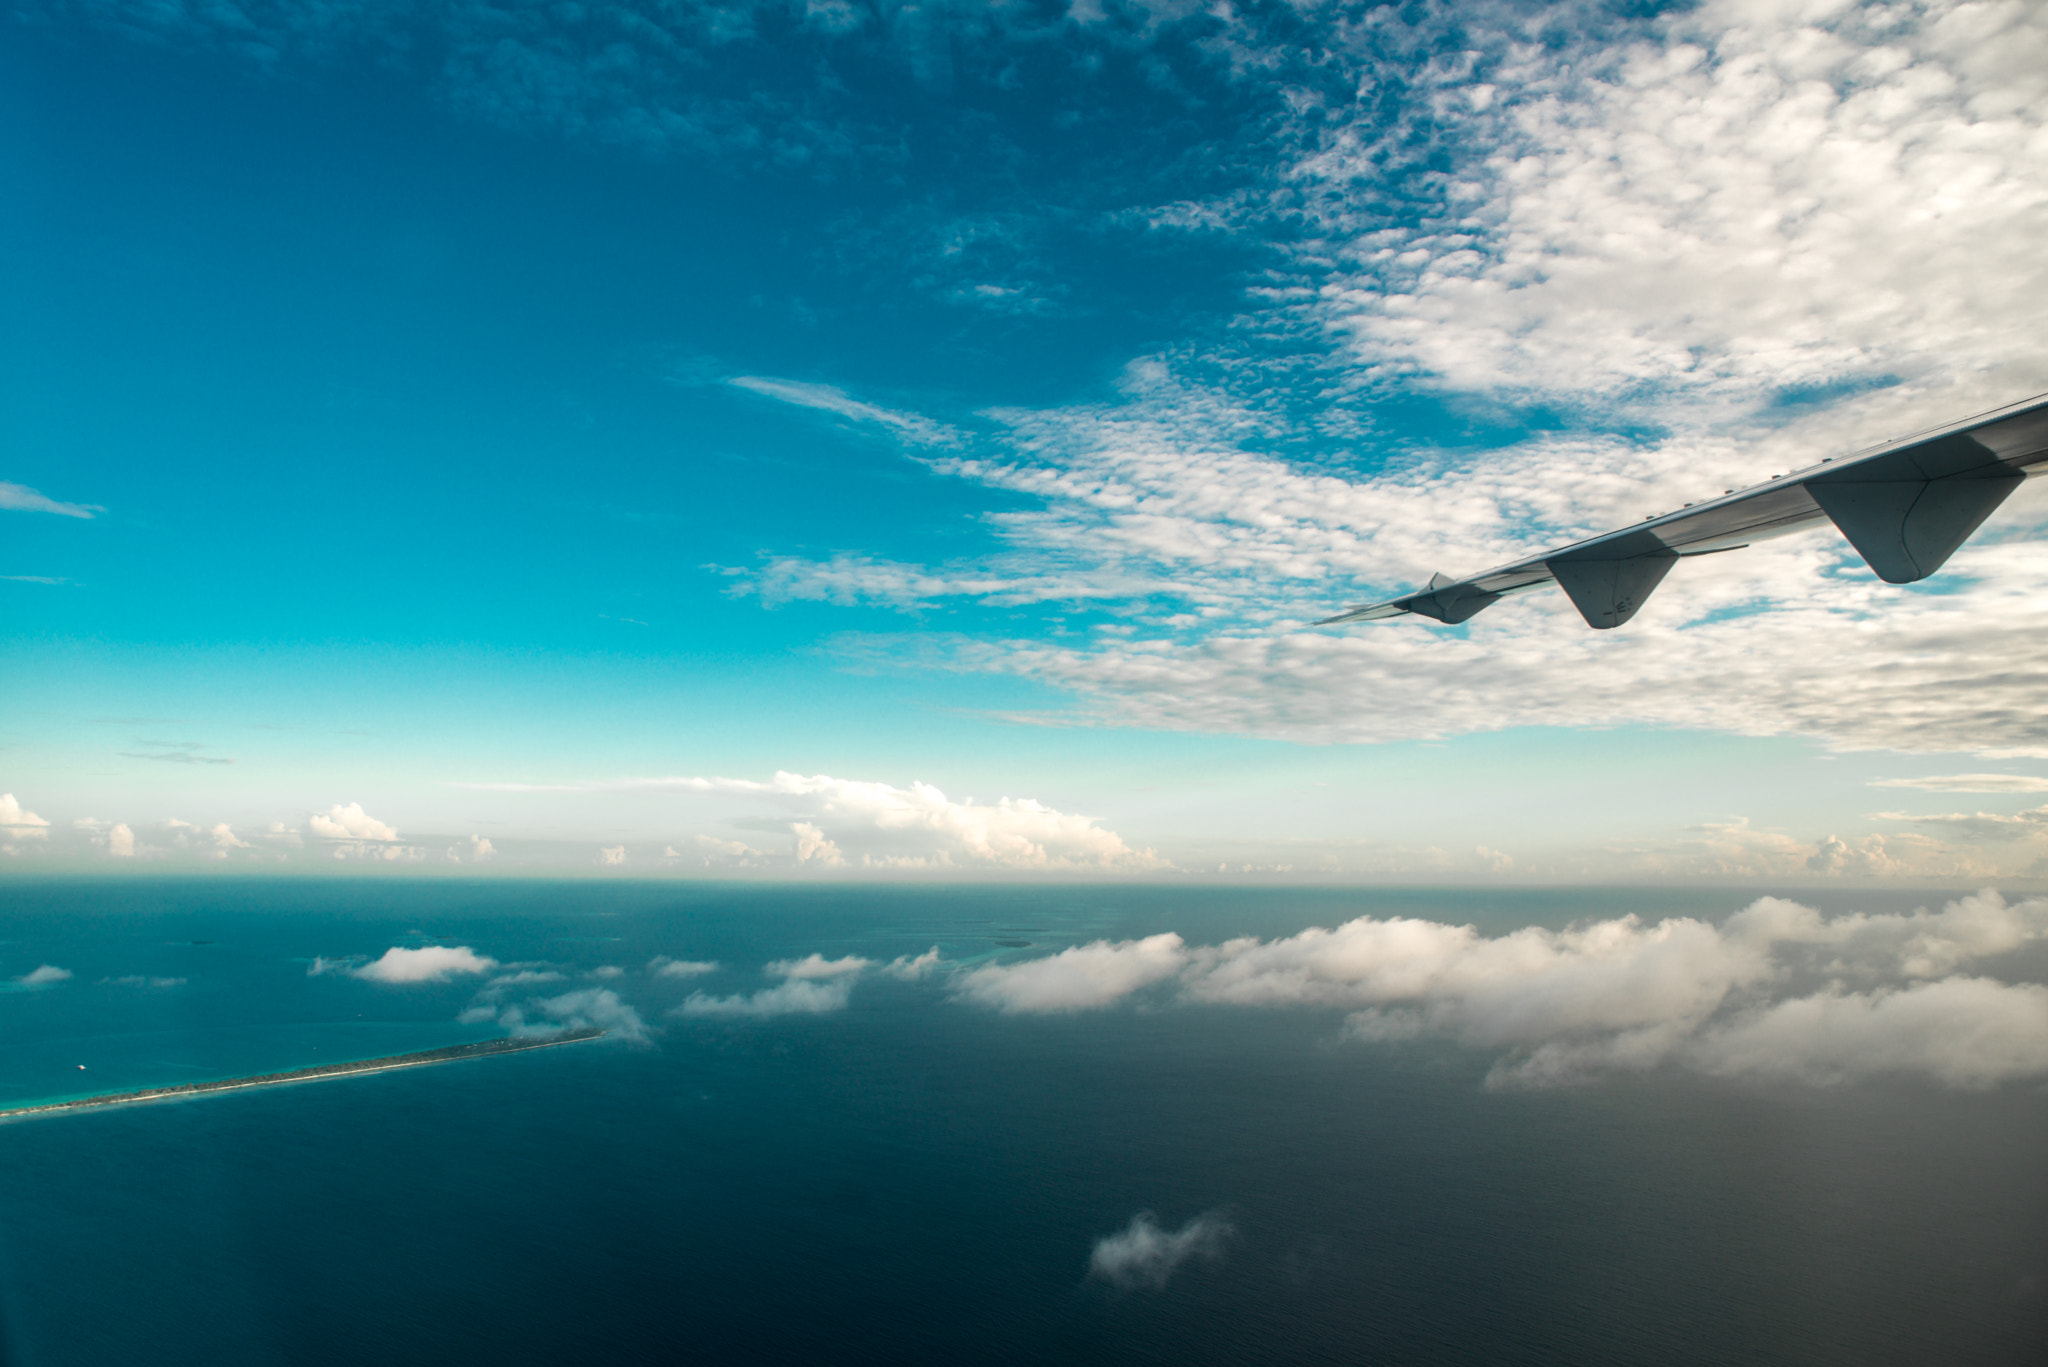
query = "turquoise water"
x=914 y=1180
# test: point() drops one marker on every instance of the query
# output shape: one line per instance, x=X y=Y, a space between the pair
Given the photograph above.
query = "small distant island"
x=452 y=1054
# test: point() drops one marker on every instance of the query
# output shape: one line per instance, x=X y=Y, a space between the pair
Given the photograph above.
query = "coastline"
x=454 y=1053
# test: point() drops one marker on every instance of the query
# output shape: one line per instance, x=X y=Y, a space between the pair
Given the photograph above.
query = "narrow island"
x=454 y=1053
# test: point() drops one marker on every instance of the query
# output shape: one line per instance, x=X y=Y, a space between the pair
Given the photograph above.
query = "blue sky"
x=697 y=440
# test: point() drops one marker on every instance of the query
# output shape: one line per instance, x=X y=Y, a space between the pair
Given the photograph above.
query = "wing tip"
x=1371 y=612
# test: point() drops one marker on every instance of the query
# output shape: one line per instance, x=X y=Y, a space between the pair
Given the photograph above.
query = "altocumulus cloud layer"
x=1777 y=990
x=1704 y=245
x=1683 y=238
x=1700 y=226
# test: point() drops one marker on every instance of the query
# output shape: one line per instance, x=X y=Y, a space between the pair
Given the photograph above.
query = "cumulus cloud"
x=1777 y=987
x=525 y=977
x=1078 y=978
x=223 y=841
x=216 y=842
x=910 y=969
x=811 y=986
x=18 y=823
x=813 y=846
x=1965 y=1032
x=795 y=997
x=118 y=841
x=818 y=966
x=44 y=976
x=475 y=850
x=588 y=1007
x=1142 y=1254
x=349 y=822
x=665 y=967
x=612 y=856
x=431 y=964
x=865 y=824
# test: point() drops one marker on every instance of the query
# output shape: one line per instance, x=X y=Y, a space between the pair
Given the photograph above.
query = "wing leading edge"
x=1905 y=506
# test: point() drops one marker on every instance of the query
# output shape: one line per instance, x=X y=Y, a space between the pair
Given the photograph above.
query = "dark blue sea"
x=915 y=1180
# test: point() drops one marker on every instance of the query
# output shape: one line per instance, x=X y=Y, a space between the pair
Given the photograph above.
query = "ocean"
x=910 y=1178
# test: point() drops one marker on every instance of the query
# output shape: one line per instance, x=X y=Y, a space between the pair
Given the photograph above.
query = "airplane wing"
x=1905 y=506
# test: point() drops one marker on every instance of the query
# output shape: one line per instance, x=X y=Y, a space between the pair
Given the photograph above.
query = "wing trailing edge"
x=1905 y=506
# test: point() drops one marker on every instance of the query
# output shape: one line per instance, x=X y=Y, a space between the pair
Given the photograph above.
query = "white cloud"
x=431 y=964
x=1918 y=944
x=736 y=851
x=818 y=966
x=794 y=997
x=525 y=977
x=377 y=852
x=813 y=846
x=1968 y=783
x=349 y=822
x=1964 y=1032
x=2029 y=825
x=1078 y=978
x=475 y=850
x=812 y=985
x=612 y=856
x=1864 y=858
x=851 y=822
x=1611 y=994
x=666 y=967
x=44 y=976
x=825 y=398
x=910 y=969
x=224 y=840
x=1748 y=199
x=1712 y=226
x=1144 y=1255
x=580 y=1010
x=21 y=498
x=1809 y=649
x=851 y=580
x=119 y=841
x=216 y=842
x=18 y=823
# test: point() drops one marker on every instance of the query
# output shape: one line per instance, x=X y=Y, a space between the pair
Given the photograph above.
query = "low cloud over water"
x=1776 y=990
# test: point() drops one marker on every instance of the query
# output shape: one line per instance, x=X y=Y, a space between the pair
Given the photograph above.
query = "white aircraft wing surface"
x=1905 y=506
